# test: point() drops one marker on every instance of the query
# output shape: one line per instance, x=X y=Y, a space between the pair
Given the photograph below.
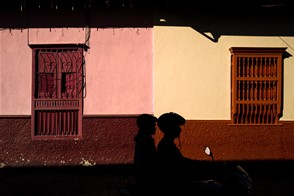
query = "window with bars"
x=58 y=83
x=256 y=86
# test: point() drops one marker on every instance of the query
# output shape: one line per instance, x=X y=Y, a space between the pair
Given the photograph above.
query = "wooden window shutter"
x=256 y=85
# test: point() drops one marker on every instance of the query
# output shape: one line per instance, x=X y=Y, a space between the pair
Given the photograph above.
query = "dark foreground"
x=270 y=178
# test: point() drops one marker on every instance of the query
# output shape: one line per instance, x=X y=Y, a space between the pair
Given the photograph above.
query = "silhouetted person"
x=178 y=173
x=171 y=161
x=145 y=155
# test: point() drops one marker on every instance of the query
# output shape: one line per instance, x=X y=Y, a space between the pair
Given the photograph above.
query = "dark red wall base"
x=105 y=140
x=109 y=140
x=238 y=142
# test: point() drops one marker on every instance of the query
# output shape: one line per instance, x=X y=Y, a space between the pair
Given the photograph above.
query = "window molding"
x=256 y=85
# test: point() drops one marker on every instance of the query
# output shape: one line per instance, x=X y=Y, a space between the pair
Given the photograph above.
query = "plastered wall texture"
x=109 y=140
x=233 y=142
x=105 y=141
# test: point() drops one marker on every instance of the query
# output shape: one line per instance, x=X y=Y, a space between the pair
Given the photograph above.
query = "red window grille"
x=58 y=83
x=256 y=85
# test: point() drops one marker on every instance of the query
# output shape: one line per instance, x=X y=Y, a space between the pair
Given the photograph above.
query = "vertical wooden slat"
x=38 y=122
x=77 y=122
x=268 y=113
x=273 y=113
x=68 y=123
x=72 y=131
x=243 y=114
x=275 y=91
x=59 y=122
x=256 y=113
x=270 y=67
x=238 y=67
x=55 y=122
x=255 y=67
x=238 y=90
x=255 y=90
x=247 y=87
x=251 y=89
x=43 y=122
x=276 y=114
x=64 y=122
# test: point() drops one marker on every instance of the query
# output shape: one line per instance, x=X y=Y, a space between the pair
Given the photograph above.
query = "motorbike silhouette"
x=234 y=181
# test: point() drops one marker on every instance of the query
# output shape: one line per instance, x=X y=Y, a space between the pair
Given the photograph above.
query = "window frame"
x=70 y=109
x=256 y=85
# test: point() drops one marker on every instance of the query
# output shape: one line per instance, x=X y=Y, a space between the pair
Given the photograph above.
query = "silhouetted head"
x=169 y=124
x=147 y=123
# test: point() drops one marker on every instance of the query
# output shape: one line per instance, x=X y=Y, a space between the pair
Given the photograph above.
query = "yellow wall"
x=192 y=72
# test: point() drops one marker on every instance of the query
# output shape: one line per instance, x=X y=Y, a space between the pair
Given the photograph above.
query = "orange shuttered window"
x=256 y=85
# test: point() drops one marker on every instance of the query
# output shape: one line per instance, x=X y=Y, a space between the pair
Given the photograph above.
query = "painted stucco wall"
x=118 y=68
x=119 y=71
x=192 y=76
x=106 y=140
x=0 y=72
x=192 y=73
x=57 y=35
x=16 y=73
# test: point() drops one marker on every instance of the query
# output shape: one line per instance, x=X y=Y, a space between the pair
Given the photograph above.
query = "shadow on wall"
x=212 y=20
x=240 y=21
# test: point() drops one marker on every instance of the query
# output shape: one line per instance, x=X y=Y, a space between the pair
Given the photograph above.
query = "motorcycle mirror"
x=207 y=150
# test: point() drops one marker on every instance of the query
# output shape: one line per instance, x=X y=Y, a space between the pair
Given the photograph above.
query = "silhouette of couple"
x=164 y=168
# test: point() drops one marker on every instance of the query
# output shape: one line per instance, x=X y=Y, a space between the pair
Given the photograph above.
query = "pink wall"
x=16 y=73
x=119 y=71
x=57 y=35
x=119 y=68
